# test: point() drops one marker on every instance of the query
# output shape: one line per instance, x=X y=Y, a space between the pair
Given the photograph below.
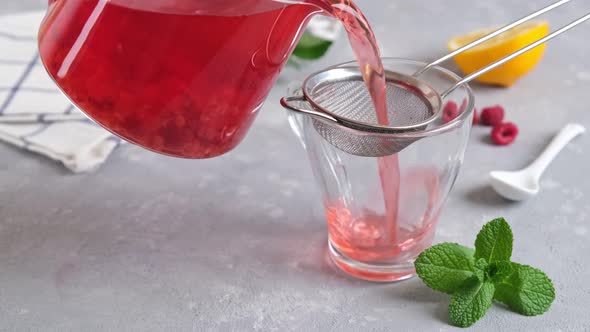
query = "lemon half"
x=499 y=47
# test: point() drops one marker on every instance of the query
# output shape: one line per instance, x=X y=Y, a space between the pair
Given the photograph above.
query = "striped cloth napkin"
x=34 y=114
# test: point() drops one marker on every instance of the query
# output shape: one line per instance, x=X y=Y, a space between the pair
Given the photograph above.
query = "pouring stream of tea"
x=368 y=55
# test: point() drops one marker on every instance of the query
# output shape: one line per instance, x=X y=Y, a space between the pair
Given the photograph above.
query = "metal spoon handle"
x=567 y=134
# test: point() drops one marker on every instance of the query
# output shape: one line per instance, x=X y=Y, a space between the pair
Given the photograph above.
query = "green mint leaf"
x=469 y=252
x=481 y=266
x=311 y=47
x=498 y=271
x=471 y=302
x=445 y=267
x=527 y=290
x=494 y=241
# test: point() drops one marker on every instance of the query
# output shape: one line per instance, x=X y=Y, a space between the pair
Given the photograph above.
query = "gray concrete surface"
x=150 y=243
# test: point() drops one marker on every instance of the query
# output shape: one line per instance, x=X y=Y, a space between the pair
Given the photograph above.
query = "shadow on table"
x=224 y=246
x=12 y=153
x=415 y=291
x=485 y=195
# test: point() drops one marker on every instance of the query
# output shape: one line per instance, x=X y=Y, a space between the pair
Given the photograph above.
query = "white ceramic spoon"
x=524 y=184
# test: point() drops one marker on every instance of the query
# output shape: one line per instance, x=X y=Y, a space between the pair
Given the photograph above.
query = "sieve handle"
x=498 y=63
x=287 y=102
x=490 y=36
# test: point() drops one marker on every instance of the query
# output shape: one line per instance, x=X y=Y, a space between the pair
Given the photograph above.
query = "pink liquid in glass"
x=364 y=236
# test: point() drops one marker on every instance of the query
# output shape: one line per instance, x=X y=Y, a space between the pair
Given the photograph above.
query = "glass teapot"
x=180 y=77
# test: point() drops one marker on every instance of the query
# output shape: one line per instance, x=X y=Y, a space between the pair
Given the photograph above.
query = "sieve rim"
x=428 y=132
x=422 y=90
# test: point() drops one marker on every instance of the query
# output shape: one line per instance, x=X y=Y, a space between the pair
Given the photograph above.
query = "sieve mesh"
x=342 y=111
x=342 y=93
x=350 y=100
x=366 y=145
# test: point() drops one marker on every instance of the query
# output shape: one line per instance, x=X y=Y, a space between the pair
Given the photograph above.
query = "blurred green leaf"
x=311 y=47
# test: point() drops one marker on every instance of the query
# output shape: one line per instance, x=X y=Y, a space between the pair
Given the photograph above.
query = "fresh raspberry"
x=450 y=112
x=504 y=133
x=475 y=117
x=492 y=116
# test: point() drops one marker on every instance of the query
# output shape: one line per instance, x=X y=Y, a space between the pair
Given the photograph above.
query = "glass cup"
x=382 y=212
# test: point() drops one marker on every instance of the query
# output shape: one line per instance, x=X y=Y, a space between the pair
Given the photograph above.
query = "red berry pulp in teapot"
x=179 y=82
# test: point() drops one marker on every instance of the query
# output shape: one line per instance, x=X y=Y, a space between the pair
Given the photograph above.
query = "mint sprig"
x=475 y=278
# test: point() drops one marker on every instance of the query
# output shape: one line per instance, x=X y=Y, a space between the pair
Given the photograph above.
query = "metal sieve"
x=343 y=112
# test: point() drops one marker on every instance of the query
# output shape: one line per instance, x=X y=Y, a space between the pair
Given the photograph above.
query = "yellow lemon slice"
x=499 y=47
